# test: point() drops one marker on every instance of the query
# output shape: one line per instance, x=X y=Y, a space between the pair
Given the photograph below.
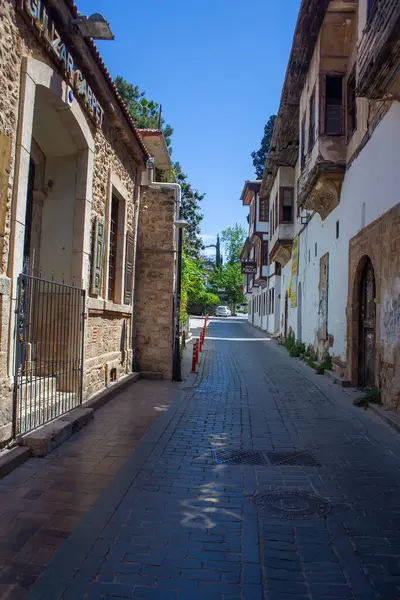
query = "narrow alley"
x=261 y=480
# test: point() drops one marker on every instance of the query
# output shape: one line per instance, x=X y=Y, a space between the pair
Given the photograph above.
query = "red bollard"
x=194 y=357
x=201 y=341
x=197 y=351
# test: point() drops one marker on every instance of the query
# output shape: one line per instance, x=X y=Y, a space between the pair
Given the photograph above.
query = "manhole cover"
x=292 y=504
x=298 y=459
x=238 y=457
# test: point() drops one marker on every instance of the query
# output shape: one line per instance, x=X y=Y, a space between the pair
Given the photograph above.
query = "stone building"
x=331 y=180
x=72 y=216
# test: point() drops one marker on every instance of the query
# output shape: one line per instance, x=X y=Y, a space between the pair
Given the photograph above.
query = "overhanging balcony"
x=281 y=244
x=320 y=181
x=378 y=72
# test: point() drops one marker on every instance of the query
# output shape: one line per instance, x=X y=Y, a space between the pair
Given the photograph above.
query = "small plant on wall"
x=373 y=396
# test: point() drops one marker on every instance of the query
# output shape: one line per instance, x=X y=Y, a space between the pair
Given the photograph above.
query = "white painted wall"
x=370 y=188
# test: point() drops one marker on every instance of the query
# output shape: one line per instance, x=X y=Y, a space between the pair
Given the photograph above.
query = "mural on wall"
x=390 y=316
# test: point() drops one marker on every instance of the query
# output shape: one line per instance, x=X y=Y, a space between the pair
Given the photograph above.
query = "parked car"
x=222 y=311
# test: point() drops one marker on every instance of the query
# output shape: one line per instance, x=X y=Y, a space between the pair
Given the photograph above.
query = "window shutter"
x=322 y=104
x=98 y=256
x=129 y=268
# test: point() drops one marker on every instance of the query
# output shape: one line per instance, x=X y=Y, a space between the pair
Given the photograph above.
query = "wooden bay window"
x=264 y=209
x=286 y=204
x=311 y=129
x=351 y=106
x=331 y=104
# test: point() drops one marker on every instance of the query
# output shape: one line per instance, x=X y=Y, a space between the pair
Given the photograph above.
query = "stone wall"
x=380 y=242
x=107 y=346
x=154 y=297
x=117 y=157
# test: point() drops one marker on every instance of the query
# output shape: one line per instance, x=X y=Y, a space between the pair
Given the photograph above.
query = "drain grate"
x=297 y=459
x=238 y=457
x=291 y=504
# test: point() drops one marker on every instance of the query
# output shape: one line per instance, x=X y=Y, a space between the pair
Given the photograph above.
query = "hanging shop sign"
x=37 y=11
x=249 y=268
x=295 y=270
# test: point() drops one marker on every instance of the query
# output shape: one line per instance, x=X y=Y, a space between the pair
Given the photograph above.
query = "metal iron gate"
x=48 y=351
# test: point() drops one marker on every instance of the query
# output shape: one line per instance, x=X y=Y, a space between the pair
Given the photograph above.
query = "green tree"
x=194 y=285
x=260 y=156
x=233 y=239
x=190 y=211
x=218 y=255
x=233 y=282
x=229 y=279
x=144 y=112
x=146 y=115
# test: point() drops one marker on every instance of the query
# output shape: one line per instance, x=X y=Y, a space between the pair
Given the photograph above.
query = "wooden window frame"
x=303 y=150
x=372 y=6
x=263 y=201
x=351 y=119
x=282 y=191
x=322 y=104
x=113 y=248
x=312 y=132
x=264 y=253
x=117 y=190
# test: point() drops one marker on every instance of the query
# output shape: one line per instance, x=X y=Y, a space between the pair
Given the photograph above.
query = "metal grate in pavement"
x=297 y=459
x=239 y=457
x=291 y=504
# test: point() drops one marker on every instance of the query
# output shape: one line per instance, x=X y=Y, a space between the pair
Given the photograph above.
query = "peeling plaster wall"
x=370 y=189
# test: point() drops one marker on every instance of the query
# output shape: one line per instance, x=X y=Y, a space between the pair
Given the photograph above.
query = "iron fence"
x=48 y=351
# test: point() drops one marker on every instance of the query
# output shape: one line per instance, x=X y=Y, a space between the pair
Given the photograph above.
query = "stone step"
x=342 y=381
x=39 y=401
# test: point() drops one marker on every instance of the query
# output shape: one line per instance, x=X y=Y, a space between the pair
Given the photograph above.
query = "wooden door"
x=285 y=325
x=367 y=327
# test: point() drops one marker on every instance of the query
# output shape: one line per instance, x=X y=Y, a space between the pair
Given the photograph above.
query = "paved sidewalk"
x=43 y=500
x=174 y=525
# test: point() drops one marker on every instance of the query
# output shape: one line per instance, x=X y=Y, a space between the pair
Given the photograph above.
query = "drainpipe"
x=176 y=359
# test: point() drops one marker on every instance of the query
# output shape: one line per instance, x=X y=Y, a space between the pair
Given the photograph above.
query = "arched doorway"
x=367 y=326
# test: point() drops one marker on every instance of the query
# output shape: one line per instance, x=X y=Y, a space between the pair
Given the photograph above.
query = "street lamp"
x=95 y=27
x=180 y=224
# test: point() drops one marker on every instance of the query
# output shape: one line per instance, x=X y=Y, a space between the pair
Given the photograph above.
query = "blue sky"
x=217 y=67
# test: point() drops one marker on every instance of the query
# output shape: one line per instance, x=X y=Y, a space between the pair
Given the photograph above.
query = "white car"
x=222 y=311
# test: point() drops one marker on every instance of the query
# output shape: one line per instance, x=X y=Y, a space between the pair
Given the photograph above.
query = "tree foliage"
x=229 y=276
x=218 y=255
x=144 y=112
x=190 y=211
x=146 y=115
x=260 y=156
x=194 y=285
x=233 y=239
x=229 y=279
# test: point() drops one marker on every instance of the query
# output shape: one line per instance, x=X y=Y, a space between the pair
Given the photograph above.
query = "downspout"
x=178 y=234
x=135 y=361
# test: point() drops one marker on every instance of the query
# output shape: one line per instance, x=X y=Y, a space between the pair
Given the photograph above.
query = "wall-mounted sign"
x=249 y=268
x=36 y=10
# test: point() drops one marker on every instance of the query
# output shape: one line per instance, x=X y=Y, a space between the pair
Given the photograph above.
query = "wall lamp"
x=95 y=27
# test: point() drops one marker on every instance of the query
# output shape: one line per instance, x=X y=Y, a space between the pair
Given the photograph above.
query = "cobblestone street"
x=178 y=522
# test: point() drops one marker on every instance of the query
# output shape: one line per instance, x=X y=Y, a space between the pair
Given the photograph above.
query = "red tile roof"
x=96 y=54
